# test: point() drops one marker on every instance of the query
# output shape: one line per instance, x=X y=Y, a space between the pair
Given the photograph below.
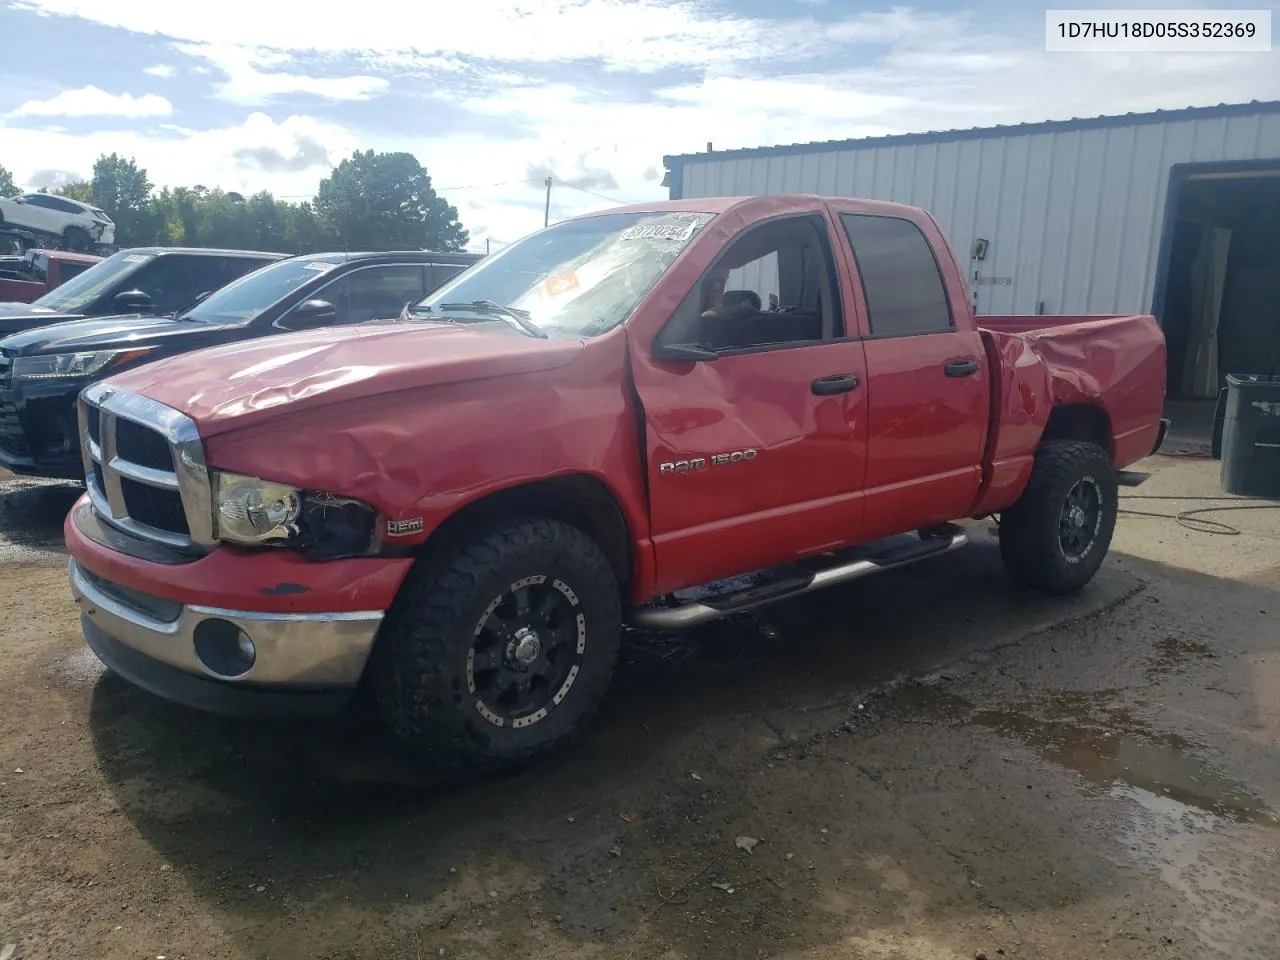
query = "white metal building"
x=1174 y=212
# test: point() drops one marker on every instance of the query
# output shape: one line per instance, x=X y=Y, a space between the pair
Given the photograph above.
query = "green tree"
x=81 y=190
x=7 y=187
x=385 y=201
x=121 y=188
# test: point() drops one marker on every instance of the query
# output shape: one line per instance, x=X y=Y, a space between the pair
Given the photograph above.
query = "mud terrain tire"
x=1056 y=536
x=532 y=602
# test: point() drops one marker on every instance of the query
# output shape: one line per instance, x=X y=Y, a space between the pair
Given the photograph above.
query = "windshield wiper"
x=519 y=318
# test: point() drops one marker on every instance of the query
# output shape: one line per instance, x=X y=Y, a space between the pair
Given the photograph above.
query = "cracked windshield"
x=576 y=279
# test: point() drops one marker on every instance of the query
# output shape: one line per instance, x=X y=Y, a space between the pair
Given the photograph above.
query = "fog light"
x=224 y=649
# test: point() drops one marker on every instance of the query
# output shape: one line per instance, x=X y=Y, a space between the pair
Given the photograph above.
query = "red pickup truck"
x=658 y=414
x=33 y=275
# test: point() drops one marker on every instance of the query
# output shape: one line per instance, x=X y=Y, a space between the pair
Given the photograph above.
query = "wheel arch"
x=578 y=499
x=1080 y=421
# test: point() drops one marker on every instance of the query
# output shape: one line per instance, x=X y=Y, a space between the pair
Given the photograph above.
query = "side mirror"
x=309 y=314
x=132 y=301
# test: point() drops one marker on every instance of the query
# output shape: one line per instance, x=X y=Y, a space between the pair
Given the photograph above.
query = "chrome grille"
x=144 y=467
x=12 y=439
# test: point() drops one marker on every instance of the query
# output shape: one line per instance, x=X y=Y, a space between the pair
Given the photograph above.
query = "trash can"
x=1219 y=418
x=1251 y=436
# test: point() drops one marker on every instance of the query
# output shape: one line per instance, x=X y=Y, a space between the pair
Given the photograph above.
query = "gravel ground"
x=927 y=765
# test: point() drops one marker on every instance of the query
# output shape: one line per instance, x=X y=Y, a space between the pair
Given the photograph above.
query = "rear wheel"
x=499 y=651
x=1057 y=535
x=76 y=239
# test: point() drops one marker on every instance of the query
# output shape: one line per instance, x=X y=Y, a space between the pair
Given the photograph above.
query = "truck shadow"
x=619 y=837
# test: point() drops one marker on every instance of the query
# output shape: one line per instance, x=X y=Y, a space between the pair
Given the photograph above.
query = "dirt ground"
x=928 y=765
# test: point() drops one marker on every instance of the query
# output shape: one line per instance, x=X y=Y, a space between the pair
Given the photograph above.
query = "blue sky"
x=492 y=95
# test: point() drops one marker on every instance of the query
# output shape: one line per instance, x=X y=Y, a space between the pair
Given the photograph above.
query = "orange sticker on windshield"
x=558 y=285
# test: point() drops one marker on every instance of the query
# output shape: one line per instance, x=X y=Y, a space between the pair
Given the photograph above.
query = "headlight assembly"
x=74 y=365
x=249 y=510
x=255 y=512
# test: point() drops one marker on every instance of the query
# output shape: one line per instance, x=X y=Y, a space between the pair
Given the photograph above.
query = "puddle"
x=1095 y=736
x=1176 y=811
x=1109 y=747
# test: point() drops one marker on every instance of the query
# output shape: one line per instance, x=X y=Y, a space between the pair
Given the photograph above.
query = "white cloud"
x=246 y=83
x=641 y=35
x=92 y=102
x=178 y=157
x=161 y=70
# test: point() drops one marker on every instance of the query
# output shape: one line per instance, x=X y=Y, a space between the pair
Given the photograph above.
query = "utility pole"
x=486 y=246
x=546 y=214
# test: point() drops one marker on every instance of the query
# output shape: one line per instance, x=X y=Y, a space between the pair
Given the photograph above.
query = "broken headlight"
x=256 y=512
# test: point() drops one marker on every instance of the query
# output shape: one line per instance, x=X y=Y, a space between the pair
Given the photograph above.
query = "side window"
x=374 y=293
x=900 y=276
x=67 y=270
x=57 y=203
x=174 y=282
x=773 y=285
x=41 y=200
x=438 y=273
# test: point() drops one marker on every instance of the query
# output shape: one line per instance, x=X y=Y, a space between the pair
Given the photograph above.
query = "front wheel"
x=76 y=239
x=501 y=649
x=1057 y=535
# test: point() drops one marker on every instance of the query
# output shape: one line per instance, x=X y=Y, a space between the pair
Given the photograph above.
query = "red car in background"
x=29 y=277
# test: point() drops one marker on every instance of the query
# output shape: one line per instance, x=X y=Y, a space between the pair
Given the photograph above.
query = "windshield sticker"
x=137 y=258
x=558 y=285
x=674 y=232
x=319 y=267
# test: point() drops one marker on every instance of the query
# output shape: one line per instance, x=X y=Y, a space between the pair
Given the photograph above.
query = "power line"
x=601 y=196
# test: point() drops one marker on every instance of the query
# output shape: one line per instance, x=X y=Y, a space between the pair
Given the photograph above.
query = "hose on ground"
x=1194 y=519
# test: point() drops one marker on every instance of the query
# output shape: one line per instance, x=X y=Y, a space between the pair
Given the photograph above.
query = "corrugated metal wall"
x=1074 y=218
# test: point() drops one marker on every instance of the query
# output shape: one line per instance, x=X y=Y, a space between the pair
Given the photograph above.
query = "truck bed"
x=1114 y=364
x=1032 y=323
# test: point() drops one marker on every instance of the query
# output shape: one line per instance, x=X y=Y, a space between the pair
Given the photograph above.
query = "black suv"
x=142 y=280
x=43 y=371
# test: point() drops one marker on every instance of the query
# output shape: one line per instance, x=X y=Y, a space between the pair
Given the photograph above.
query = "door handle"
x=961 y=368
x=829 y=386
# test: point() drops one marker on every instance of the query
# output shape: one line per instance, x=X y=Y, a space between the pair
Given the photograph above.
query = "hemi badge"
x=405 y=528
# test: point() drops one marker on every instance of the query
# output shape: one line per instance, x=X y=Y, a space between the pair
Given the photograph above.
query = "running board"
x=794 y=581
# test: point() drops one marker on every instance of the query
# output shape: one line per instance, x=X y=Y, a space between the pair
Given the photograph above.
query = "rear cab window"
x=901 y=280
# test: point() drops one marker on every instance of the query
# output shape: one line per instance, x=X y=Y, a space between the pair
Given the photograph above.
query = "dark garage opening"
x=1220 y=308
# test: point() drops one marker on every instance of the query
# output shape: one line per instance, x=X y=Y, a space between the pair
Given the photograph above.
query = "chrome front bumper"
x=298 y=653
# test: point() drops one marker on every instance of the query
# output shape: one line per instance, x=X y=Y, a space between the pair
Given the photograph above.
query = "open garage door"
x=1220 y=303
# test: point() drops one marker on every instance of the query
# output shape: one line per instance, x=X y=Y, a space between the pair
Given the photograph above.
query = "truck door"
x=928 y=394
x=756 y=450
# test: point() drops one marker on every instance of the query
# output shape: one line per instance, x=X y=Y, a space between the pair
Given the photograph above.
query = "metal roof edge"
x=676 y=161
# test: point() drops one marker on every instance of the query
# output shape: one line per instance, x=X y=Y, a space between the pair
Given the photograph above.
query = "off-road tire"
x=1031 y=539
x=419 y=669
x=76 y=239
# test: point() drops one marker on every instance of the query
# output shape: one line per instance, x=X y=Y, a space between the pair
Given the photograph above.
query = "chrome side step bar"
x=694 y=613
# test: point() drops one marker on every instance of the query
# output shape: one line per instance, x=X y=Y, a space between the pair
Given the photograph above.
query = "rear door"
x=757 y=456
x=38 y=213
x=928 y=381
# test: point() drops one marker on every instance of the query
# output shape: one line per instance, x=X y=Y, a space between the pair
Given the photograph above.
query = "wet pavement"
x=929 y=765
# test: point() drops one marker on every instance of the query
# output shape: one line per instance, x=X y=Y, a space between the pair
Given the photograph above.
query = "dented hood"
x=250 y=382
